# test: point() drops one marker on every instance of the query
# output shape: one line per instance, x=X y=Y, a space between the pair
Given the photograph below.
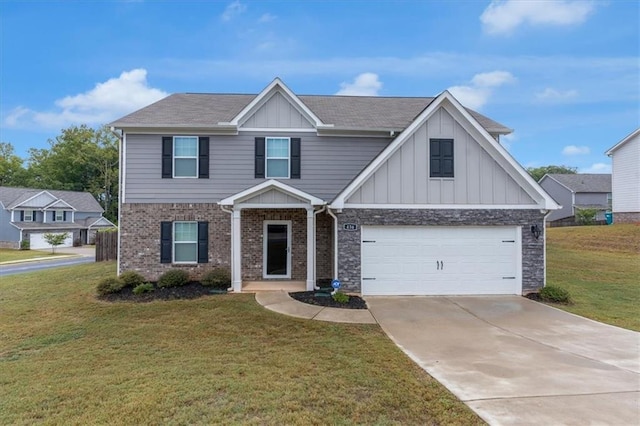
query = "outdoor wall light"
x=535 y=230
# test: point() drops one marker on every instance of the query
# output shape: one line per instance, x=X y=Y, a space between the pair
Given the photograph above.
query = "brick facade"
x=626 y=217
x=349 y=241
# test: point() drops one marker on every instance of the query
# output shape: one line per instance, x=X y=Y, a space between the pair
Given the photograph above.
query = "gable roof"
x=271 y=185
x=583 y=182
x=629 y=137
x=499 y=154
x=12 y=197
x=225 y=111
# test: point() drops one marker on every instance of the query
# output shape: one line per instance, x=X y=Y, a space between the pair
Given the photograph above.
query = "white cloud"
x=576 y=150
x=597 y=168
x=232 y=10
x=365 y=84
x=552 y=95
x=105 y=102
x=267 y=17
x=504 y=16
x=476 y=95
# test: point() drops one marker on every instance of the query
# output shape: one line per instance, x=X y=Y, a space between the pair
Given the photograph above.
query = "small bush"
x=109 y=285
x=552 y=293
x=25 y=245
x=340 y=297
x=586 y=216
x=77 y=242
x=143 y=288
x=173 y=278
x=218 y=278
x=131 y=279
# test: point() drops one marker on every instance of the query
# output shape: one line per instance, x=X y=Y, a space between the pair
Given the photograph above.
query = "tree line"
x=79 y=159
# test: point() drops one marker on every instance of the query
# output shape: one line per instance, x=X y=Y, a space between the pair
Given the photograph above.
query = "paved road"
x=21 y=268
x=515 y=361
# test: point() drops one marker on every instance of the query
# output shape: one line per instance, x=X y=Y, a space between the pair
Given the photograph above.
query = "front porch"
x=260 y=286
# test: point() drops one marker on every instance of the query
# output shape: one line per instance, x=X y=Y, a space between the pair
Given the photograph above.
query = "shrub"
x=552 y=293
x=109 y=285
x=25 y=245
x=340 y=297
x=131 y=279
x=173 y=278
x=586 y=216
x=143 y=288
x=218 y=278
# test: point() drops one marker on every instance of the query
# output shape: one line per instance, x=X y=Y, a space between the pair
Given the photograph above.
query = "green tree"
x=538 y=172
x=55 y=239
x=12 y=171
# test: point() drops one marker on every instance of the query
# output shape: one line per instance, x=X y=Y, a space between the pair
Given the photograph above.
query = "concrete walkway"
x=515 y=361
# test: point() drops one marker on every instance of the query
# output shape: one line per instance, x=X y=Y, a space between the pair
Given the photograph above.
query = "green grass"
x=66 y=358
x=600 y=267
x=9 y=255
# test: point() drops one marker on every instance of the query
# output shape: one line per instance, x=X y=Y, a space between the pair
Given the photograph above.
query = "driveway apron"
x=515 y=361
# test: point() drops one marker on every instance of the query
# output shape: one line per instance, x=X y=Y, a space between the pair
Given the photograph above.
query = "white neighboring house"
x=625 y=161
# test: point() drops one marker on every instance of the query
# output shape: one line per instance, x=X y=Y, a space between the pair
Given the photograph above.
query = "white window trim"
x=29 y=218
x=267 y=158
x=264 y=247
x=174 y=157
x=174 y=242
x=61 y=217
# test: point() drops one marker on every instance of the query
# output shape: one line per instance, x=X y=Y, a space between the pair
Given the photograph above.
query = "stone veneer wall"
x=349 y=241
x=140 y=236
x=626 y=217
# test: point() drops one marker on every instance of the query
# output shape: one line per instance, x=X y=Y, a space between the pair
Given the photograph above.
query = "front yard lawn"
x=66 y=357
x=600 y=267
x=9 y=255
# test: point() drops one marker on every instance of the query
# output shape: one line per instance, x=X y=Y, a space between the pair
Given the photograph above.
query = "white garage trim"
x=37 y=241
x=441 y=260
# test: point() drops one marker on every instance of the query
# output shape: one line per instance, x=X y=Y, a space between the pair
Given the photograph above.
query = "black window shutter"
x=203 y=242
x=64 y=215
x=165 y=242
x=33 y=216
x=446 y=152
x=203 y=158
x=295 y=158
x=260 y=153
x=441 y=157
x=21 y=215
x=53 y=216
x=167 y=157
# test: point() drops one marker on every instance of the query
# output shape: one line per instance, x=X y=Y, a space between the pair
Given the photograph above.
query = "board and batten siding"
x=272 y=197
x=328 y=164
x=277 y=112
x=626 y=177
x=404 y=177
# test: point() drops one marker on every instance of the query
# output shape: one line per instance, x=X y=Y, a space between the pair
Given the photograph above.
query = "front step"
x=259 y=286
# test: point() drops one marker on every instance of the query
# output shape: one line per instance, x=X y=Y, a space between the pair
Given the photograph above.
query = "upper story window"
x=59 y=216
x=185 y=156
x=28 y=215
x=277 y=158
x=441 y=157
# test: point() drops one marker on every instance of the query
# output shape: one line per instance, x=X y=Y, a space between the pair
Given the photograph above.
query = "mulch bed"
x=312 y=298
x=192 y=290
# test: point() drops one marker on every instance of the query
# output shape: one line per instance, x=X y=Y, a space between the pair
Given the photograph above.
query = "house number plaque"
x=350 y=226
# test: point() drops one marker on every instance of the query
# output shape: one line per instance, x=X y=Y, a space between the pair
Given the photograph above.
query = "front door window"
x=277 y=249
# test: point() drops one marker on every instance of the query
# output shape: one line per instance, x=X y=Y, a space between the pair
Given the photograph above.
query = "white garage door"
x=412 y=260
x=37 y=241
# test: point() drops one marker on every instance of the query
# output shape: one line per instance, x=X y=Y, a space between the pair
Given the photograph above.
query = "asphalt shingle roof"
x=584 y=182
x=344 y=112
x=81 y=201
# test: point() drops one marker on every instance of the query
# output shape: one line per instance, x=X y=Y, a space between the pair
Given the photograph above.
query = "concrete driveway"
x=515 y=361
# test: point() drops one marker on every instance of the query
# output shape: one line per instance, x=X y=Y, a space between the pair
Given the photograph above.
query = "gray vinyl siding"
x=562 y=195
x=404 y=178
x=277 y=112
x=626 y=176
x=8 y=232
x=591 y=198
x=328 y=164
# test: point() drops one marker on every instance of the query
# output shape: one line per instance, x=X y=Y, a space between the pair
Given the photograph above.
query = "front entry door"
x=277 y=249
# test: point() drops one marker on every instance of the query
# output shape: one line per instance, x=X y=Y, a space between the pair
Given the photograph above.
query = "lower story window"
x=185 y=242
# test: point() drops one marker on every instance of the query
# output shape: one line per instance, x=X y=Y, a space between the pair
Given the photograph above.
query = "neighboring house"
x=27 y=214
x=578 y=191
x=388 y=195
x=625 y=167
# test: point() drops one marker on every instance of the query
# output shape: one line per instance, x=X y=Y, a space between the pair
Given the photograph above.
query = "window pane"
x=186 y=231
x=277 y=168
x=277 y=147
x=185 y=167
x=186 y=252
x=185 y=147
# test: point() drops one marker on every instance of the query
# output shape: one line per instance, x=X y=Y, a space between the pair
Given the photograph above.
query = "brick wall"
x=349 y=241
x=623 y=217
x=324 y=248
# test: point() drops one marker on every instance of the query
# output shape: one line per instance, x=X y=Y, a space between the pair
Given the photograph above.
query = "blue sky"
x=565 y=75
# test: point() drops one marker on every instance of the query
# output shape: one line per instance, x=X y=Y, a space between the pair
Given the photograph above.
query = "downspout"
x=544 y=248
x=335 y=243
x=231 y=221
x=315 y=251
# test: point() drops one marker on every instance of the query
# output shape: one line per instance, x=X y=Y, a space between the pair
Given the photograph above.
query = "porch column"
x=236 y=258
x=311 y=234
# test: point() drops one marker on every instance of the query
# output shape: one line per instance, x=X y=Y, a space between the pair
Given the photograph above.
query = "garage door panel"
x=440 y=260
x=37 y=241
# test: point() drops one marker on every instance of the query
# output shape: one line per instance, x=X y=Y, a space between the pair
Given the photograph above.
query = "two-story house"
x=26 y=214
x=390 y=195
x=577 y=191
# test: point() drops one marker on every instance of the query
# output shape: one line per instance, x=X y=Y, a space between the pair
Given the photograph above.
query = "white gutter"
x=315 y=249
x=335 y=244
